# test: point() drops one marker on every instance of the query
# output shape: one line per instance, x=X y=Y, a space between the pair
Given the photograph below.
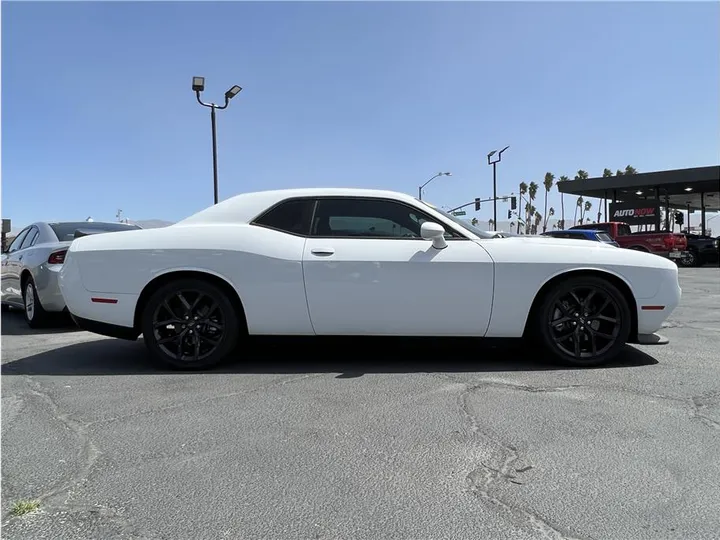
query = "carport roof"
x=683 y=186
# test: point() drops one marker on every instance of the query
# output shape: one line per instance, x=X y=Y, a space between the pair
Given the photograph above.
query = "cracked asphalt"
x=365 y=439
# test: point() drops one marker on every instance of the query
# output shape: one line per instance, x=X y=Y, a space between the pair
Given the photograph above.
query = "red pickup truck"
x=665 y=244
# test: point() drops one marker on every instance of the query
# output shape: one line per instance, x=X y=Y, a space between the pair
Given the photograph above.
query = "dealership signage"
x=635 y=213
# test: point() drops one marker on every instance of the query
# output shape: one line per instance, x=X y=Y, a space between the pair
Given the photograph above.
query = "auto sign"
x=635 y=213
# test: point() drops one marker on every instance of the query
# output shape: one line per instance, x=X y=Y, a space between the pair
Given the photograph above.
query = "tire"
x=199 y=338
x=558 y=318
x=690 y=260
x=35 y=314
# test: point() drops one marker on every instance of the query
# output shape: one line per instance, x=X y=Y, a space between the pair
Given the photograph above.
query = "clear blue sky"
x=98 y=114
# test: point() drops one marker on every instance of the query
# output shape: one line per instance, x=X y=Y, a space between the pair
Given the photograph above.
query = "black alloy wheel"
x=190 y=324
x=689 y=259
x=584 y=321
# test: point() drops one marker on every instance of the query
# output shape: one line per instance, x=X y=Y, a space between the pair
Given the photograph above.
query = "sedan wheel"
x=190 y=324
x=584 y=321
x=35 y=314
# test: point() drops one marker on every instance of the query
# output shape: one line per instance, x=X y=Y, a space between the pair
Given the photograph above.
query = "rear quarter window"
x=291 y=217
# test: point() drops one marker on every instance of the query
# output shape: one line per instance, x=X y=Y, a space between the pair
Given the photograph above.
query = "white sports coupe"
x=359 y=262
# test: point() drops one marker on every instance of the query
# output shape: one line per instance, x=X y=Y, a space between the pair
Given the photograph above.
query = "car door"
x=367 y=271
x=11 y=269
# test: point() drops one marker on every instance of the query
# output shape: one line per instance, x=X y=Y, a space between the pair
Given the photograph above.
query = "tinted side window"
x=18 y=240
x=290 y=216
x=622 y=230
x=29 y=238
x=368 y=218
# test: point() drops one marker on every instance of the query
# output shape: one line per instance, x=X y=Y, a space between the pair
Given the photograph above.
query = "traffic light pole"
x=478 y=201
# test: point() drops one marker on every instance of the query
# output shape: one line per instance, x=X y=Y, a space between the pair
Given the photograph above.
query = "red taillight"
x=57 y=257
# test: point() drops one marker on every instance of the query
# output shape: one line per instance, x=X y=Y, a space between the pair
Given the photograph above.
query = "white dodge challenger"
x=359 y=262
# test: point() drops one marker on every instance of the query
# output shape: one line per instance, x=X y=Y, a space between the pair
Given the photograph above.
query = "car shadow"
x=350 y=357
x=13 y=324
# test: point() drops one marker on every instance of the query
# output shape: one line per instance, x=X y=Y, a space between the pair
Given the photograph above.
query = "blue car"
x=583 y=234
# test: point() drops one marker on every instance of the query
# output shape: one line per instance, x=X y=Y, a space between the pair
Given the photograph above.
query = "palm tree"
x=532 y=193
x=548 y=183
x=531 y=210
x=583 y=210
x=630 y=170
x=523 y=190
x=581 y=175
x=474 y=222
x=607 y=173
x=550 y=214
x=578 y=205
x=490 y=223
x=538 y=219
x=619 y=172
x=562 y=201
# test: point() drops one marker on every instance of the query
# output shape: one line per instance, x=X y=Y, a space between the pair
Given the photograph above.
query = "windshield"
x=461 y=222
x=604 y=237
x=66 y=231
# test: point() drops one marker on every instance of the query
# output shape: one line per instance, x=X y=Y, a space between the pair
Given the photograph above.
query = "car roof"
x=577 y=231
x=246 y=206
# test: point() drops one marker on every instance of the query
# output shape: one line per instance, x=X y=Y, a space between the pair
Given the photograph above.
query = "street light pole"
x=420 y=188
x=198 y=85
x=494 y=166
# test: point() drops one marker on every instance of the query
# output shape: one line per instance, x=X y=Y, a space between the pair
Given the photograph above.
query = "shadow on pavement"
x=13 y=324
x=351 y=357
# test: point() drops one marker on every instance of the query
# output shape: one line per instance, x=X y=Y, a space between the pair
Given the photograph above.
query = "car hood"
x=566 y=251
x=552 y=241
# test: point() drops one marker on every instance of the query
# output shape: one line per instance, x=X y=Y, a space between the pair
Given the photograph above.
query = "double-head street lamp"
x=494 y=163
x=198 y=85
x=420 y=188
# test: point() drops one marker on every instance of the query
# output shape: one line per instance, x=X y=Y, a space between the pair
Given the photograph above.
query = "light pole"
x=494 y=166
x=420 y=188
x=198 y=85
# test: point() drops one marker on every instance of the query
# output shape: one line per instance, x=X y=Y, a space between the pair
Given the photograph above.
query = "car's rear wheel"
x=584 y=321
x=190 y=324
x=35 y=314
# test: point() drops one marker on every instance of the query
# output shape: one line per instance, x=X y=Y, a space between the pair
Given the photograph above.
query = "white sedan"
x=359 y=262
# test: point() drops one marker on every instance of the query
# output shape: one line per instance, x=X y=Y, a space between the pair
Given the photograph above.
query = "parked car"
x=665 y=244
x=361 y=263
x=702 y=249
x=32 y=261
x=583 y=234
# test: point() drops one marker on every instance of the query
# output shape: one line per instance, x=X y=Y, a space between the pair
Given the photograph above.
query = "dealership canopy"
x=692 y=189
x=682 y=187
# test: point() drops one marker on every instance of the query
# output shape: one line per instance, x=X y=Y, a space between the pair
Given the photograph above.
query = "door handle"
x=322 y=252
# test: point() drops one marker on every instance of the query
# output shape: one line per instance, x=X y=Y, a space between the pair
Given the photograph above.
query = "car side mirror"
x=435 y=232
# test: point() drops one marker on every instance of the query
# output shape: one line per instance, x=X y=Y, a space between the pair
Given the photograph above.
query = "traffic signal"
x=679 y=218
x=513 y=203
x=477 y=204
x=509 y=214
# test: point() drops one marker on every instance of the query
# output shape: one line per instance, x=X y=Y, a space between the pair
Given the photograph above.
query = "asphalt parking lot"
x=352 y=440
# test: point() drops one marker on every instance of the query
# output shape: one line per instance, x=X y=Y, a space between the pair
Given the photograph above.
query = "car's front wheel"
x=190 y=324
x=584 y=321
